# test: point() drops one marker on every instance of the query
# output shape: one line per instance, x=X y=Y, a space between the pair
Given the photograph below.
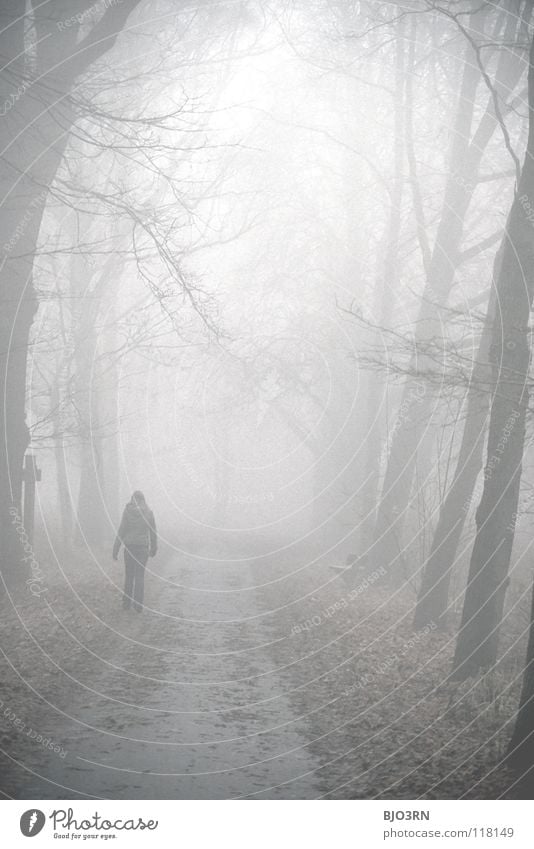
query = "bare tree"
x=488 y=578
x=43 y=73
x=466 y=151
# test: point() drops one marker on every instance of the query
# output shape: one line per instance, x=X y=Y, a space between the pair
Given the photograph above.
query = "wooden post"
x=31 y=474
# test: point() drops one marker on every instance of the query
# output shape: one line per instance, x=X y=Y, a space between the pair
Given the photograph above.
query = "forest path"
x=190 y=706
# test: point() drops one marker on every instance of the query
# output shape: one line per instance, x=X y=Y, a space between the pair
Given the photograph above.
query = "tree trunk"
x=33 y=135
x=521 y=748
x=464 y=161
x=386 y=287
x=91 y=526
x=477 y=643
x=17 y=309
x=110 y=410
x=64 y=499
x=434 y=592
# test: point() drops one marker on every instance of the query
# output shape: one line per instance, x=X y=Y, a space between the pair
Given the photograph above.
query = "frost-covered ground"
x=247 y=675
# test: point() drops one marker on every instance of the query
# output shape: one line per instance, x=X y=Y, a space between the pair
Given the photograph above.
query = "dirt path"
x=188 y=708
x=264 y=675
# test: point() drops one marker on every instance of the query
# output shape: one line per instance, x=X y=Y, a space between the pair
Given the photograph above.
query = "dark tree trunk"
x=432 y=603
x=477 y=644
x=521 y=748
x=414 y=404
x=466 y=153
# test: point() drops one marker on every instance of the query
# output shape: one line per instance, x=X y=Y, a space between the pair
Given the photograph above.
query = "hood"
x=137 y=509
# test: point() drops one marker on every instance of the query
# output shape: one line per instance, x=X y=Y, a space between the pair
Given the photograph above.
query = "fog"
x=270 y=265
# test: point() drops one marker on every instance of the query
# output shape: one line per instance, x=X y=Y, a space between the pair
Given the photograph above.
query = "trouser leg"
x=139 y=586
x=129 y=574
x=140 y=557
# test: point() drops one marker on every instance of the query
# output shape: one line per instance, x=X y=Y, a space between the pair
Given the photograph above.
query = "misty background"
x=270 y=263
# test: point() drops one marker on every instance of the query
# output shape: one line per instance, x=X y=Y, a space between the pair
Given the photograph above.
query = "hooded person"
x=137 y=533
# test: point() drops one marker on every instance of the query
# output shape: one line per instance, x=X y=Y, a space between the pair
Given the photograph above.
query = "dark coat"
x=137 y=529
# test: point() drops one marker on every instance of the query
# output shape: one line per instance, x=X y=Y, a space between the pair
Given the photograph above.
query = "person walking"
x=137 y=533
